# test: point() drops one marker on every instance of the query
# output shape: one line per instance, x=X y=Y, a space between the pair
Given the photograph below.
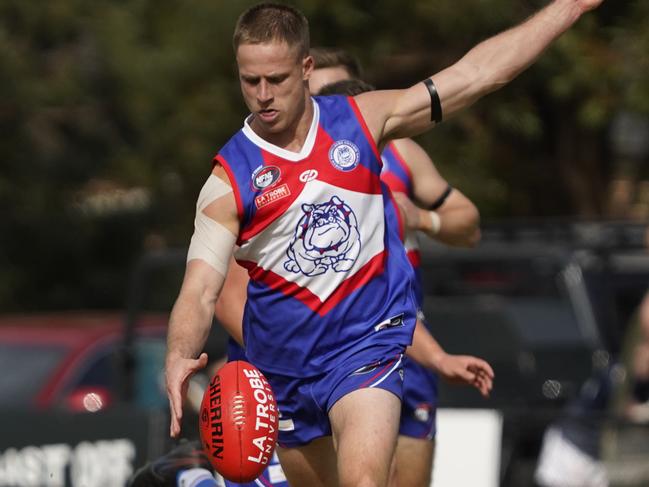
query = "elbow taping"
x=212 y=243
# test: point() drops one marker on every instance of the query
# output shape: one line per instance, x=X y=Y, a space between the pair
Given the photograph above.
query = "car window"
x=524 y=310
x=26 y=369
x=526 y=295
x=102 y=369
x=545 y=322
x=150 y=390
x=466 y=274
x=616 y=285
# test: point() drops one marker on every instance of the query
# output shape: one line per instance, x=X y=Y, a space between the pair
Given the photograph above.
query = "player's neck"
x=294 y=136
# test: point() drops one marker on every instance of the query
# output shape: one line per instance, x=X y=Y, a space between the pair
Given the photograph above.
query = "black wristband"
x=435 y=103
x=440 y=201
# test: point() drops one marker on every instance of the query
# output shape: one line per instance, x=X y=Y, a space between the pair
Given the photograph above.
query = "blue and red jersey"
x=396 y=174
x=419 y=402
x=327 y=277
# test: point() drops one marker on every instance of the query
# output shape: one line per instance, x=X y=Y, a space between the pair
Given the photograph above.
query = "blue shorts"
x=304 y=402
x=419 y=402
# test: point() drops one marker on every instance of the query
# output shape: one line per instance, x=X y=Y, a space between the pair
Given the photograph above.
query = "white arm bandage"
x=211 y=242
x=435 y=222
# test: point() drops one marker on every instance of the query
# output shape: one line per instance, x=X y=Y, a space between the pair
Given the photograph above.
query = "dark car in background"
x=524 y=309
x=547 y=307
x=73 y=361
x=63 y=409
x=82 y=394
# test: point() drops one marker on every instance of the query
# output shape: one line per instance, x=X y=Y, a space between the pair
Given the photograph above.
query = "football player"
x=330 y=308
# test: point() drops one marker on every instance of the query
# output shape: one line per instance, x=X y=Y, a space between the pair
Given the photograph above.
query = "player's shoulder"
x=329 y=100
x=333 y=105
x=408 y=147
x=377 y=100
x=376 y=108
x=411 y=153
x=426 y=177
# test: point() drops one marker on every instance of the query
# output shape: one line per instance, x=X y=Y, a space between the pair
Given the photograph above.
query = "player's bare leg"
x=413 y=462
x=365 y=424
x=312 y=465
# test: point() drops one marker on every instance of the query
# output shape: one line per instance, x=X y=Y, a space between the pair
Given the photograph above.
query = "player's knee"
x=417 y=482
x=362 y=483
x=405 y=477
x=362 y=479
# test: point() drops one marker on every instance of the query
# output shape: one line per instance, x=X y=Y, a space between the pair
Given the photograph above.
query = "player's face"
x=273 y=81
x=326 y=76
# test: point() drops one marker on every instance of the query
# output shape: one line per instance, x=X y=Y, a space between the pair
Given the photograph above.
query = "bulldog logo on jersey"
x=344 y=155
x=326 y=237
x=265 y=177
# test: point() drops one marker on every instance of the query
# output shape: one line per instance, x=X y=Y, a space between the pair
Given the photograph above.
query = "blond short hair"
x=268 y=22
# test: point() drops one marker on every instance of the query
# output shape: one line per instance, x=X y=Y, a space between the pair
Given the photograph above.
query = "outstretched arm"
x=456 y=369
x=215 y=230
x=485 y=68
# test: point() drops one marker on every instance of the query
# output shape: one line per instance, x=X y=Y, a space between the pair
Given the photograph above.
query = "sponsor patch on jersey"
x=272 y=195
x=390 y=323
x=308 y=175
x=265 y=176
x=344 y=155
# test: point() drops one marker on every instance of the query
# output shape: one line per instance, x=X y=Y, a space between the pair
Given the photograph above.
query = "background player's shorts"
x=419 y=401
x=235 y=351
x=304 y=403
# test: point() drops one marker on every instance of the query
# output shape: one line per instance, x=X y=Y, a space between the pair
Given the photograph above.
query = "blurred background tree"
x=111 y=111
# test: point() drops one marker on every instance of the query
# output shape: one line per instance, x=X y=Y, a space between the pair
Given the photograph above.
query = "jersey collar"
x=283 y=153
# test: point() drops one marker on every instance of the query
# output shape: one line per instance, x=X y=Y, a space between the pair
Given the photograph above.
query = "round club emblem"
x=344 y=155
x=265 y=176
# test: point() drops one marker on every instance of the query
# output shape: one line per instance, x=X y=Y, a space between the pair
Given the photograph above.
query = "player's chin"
x=275 y=126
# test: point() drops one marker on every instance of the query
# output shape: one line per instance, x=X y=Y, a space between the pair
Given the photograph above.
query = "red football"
x=238 y=422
